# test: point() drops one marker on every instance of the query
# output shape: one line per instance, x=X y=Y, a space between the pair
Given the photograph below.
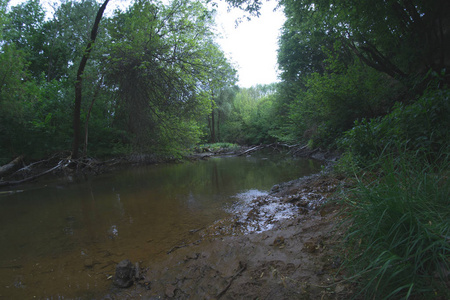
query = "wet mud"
x=281 y=245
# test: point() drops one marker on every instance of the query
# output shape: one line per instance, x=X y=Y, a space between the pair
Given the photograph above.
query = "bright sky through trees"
x=251 y=46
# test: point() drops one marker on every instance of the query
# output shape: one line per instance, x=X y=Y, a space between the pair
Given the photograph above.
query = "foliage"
x=148 y=86
x=343 y=61
x=3 y=5
x=400 y=229
x=421 y=127
x=252 y=116
x=385 y=35
x=331 y=102
x=25 y=30
x=160 y=57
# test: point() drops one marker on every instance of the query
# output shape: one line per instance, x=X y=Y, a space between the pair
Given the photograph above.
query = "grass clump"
x=399 y=237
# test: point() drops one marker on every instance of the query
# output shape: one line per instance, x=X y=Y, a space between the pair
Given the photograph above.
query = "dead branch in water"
x=81 y=165
x=9 y=183
x=274 y=146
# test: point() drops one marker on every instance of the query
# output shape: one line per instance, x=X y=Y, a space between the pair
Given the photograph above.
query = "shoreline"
x=297 y=258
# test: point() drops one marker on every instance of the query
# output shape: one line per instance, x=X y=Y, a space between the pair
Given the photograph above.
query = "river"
x=61 y=239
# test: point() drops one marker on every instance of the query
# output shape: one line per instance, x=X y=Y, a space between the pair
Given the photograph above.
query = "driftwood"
x=256 y=148
x=274 y=146
x=5 y=169
x=81 y=166
x=9 y=183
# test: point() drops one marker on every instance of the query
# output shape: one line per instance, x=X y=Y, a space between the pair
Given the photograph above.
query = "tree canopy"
x=147 y=85
x=157 y=81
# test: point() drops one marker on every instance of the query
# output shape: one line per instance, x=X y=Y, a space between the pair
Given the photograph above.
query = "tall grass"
x=399 y=238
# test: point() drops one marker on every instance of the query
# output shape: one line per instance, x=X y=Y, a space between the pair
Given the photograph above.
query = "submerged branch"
x=9 y=183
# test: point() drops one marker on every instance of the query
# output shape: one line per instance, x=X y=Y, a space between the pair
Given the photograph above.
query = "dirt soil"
x=256 y=254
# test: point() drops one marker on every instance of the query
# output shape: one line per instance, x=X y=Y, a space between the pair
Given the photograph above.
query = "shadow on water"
x=63 y=240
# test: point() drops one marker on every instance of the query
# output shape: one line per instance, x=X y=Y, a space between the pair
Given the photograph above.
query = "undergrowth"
x=399 y=237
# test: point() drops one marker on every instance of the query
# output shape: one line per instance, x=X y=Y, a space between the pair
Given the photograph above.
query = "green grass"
x=399 y=236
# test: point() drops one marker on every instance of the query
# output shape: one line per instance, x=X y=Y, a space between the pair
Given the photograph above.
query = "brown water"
x=62 y=240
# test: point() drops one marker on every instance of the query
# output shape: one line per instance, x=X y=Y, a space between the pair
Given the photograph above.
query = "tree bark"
x=79 y=82
x=213 y=129
x=5 y=169
x=86 y=124
x=213 y=122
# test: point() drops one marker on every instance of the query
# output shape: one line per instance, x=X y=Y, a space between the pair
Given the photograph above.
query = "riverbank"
x=61 y=165
x=237 y=258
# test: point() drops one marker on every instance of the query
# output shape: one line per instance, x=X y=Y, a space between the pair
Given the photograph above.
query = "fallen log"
x=256 y=148
x=9 y=183
x=5 y=169
x=260 y=147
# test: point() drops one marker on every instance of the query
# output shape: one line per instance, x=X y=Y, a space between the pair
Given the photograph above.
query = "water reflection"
x=63 y=240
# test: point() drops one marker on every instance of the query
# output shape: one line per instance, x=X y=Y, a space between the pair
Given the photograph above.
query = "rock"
x=88 y=262
x=275 y=188
x=124 y=274
x=278 y=242
x=339 y=288
x=170 y=291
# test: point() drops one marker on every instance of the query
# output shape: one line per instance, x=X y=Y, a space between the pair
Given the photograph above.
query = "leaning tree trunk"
x=86 y=124
x=79 y=82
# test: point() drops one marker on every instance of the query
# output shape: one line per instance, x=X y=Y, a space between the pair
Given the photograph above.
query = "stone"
x=89 y=263
x=124 y=276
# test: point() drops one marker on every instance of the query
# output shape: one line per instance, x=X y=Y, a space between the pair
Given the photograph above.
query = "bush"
x=421 y=127
x=332 y=102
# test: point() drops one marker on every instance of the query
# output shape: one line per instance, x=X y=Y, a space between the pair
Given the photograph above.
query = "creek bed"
x=62 y=239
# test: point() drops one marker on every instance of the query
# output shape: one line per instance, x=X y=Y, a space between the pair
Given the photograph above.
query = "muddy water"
x=62 y=240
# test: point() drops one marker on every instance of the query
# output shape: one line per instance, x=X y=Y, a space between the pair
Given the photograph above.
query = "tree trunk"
x=218 y=126
x=79 y=82
x=213 y=130
x=86 y=124
x=5 y=169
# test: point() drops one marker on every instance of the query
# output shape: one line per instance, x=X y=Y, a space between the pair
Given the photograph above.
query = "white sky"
x=251 y=46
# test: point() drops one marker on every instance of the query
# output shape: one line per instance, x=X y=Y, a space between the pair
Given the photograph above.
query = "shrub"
x=421 y=127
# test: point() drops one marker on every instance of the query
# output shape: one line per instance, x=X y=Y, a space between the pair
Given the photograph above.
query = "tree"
x=25 y=30
x=79 y=81
x=3 y=6
x=146 y=83
x=385 y=35
x=164 y=63
x=251 y=119
x=223 y=107
x=67 y=35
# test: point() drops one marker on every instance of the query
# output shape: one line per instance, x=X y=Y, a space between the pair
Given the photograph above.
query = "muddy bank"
x=276 y=246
